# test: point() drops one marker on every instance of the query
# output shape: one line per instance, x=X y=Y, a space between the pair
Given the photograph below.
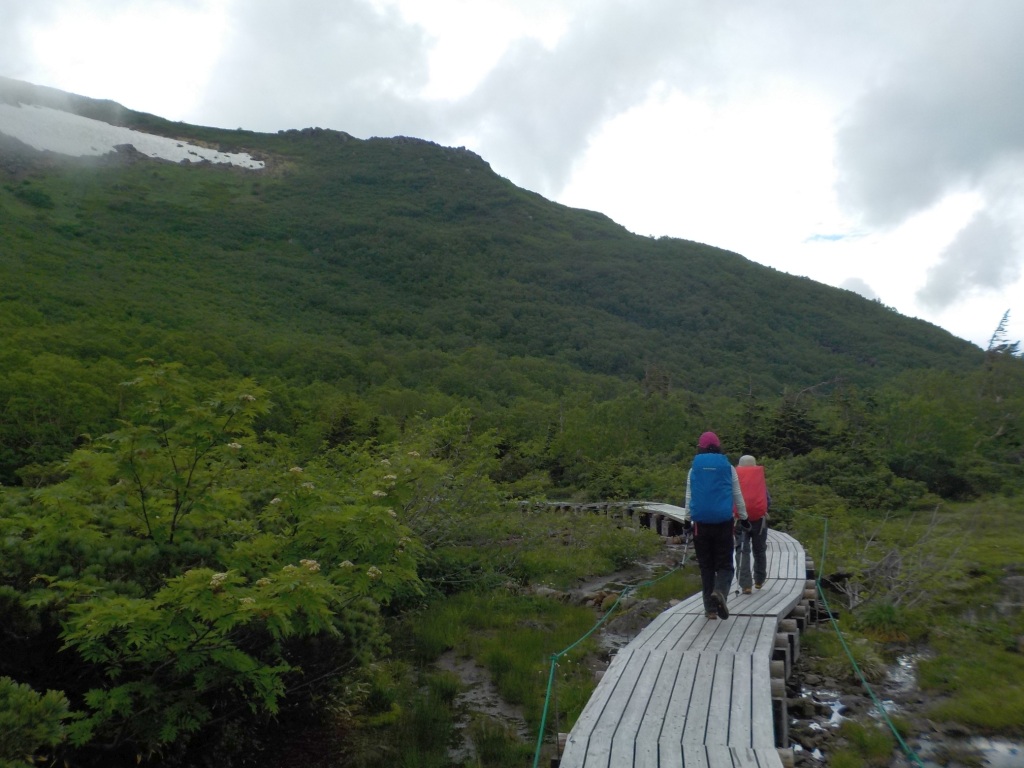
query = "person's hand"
x=687 y=525
x=745 y=525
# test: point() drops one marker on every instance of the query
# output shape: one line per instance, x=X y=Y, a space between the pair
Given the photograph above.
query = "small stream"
x=899 y=695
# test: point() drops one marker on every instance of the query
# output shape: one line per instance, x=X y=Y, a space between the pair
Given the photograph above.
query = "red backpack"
x=755 y=491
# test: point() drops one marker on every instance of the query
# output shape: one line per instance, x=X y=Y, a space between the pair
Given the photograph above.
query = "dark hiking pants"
x=712 y=543
x=754 y=541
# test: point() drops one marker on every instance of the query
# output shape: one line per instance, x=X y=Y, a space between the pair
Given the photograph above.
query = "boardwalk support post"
x=783 y=651
x=781 y=714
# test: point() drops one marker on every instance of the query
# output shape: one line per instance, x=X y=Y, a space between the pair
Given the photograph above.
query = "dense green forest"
x=259 y=430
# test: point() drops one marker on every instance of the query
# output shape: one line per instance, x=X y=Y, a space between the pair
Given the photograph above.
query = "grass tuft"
x=873 y=744
x=497 y=746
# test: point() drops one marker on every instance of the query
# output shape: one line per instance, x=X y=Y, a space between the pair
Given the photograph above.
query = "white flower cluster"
x=275 y=501
x=390 y=477
x=290 y=568
x=310 y=565
x=379 y=494
x=295 y=469
x=248 y=398
x=264 y=582
x=385 y=462
x=392 y=513
x=373 y=572
x=414 y=454
x=247 y=600
x=218 y=579
x=234 y=446
x=308 y=486
x=347 y=564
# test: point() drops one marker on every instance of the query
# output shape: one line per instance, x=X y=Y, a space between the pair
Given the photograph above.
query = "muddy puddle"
x=480 y=695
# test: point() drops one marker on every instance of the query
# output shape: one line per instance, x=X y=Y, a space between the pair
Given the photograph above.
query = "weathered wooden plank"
x=695 y=726
x=788 y=594
x=695 y=756
x=678 y=709
x=719 y=756
x=600 y=746
x=744 y=758
x=692 y=604
x=671 y=631
x=762 y=724
x=704 y=640
x=719 y=641
x=674 y=722
x=768 y=758
x=646 y=752
x=656 y=625
x=579 y=737
x=670 y=756
x=773 y=561
x=740 y=726
x=720 y=706
x=625 y=737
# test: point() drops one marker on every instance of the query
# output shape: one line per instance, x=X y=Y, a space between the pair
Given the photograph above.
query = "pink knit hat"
x=708 y=439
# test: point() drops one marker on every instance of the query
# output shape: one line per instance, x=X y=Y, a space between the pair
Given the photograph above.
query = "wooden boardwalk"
x=690 y=692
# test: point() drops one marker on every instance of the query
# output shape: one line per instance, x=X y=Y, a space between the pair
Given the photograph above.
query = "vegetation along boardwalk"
x=691 y=692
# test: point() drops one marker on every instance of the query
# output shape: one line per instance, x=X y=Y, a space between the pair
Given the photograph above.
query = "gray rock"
x=853 y=701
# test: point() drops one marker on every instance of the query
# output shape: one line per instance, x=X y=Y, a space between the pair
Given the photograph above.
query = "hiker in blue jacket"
x=712 y=491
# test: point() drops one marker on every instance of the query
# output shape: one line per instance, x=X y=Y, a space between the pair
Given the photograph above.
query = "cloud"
x=332 y=63
x=857 y=285
x=15 y=58
x=942 y=118
x=538 y=108
x=983 y=255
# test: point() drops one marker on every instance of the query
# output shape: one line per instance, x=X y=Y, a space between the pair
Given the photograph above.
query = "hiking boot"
x=710 y=615
x=719 y=600
x=759 y=585
x=747 y=590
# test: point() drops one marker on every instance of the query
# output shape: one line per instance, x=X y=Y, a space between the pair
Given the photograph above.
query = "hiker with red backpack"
x=755 y=538
x=712 y=492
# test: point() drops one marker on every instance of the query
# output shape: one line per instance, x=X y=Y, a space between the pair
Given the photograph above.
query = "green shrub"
x=37 y=198
x=29 y=722
x=444 y=687
x=497 y=746
x=189 y=572
x=831 y=658
x=845 y=759
x=872 y=743
x=888 y=623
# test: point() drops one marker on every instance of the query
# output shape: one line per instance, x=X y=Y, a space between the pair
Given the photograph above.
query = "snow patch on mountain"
x=65 y=133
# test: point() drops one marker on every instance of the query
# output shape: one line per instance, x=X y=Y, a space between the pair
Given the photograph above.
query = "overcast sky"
x=874 y=145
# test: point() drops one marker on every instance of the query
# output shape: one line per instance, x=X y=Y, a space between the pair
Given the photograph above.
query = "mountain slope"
x=410 y=246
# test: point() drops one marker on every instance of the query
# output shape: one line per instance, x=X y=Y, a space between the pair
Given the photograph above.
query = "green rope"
x=842 y=639
x=556 y=656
